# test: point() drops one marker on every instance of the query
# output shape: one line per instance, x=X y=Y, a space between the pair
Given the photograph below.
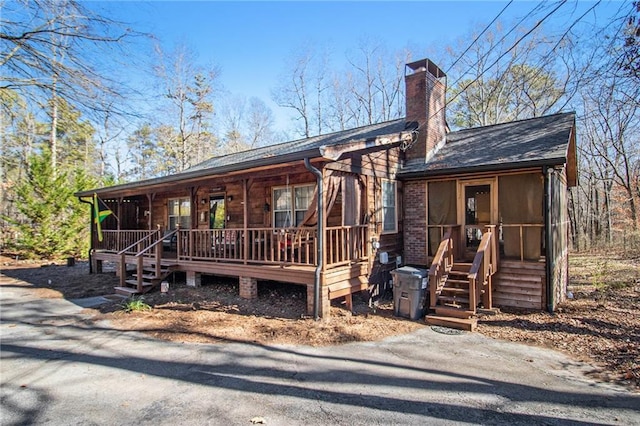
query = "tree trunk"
x=53 y=137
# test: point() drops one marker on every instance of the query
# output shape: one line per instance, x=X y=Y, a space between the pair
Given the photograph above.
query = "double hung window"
x=179 y=213
x=290 y=205
x=388 y=208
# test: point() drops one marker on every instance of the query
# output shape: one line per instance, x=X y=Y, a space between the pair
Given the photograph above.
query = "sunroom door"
x=477 y=210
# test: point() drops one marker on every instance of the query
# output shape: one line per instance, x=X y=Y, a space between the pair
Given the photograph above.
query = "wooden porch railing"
x=485 y=264
x=295 y=246
x=442 y=262
x=120 y=240
x=346 y=244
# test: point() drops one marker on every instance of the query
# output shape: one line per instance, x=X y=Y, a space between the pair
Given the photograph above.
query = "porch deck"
x=265 y=254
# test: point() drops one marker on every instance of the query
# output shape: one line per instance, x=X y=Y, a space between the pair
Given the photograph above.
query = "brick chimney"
x=425 y=86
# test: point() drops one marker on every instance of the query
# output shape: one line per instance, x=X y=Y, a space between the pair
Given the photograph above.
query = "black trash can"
x=409 y=292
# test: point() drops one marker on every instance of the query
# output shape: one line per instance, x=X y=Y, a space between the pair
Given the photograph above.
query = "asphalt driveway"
x=57 y=368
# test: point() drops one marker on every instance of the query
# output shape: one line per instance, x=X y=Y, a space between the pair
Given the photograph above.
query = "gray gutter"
x=547 y=236
x=320 y=249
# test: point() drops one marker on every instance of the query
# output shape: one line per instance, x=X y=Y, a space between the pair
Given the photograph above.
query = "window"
x=180 y=213
x=389 y=216
x=288 y=211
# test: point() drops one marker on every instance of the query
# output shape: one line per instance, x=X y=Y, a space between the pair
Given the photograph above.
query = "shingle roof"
x=536 y=141
x=303 y=145
x=264 y=156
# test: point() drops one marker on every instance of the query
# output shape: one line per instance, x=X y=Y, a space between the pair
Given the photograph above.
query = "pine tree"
x=51 y=221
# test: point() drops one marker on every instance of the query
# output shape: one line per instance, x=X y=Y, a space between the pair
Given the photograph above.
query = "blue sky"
x=251 y=41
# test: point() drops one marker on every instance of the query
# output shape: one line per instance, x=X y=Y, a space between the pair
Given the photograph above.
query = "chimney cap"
x=423 y=65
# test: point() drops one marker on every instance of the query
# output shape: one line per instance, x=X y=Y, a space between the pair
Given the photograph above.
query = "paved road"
x=56 y=368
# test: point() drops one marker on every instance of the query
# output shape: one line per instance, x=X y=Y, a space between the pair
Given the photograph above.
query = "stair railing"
x=157 y=263
x=122 y=267
x=440 y=266
x=485 y=264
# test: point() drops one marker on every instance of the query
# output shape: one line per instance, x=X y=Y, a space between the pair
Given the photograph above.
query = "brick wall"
x=415 y=223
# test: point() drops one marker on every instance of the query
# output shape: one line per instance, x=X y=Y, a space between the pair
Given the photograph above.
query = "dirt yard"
x=600 y=324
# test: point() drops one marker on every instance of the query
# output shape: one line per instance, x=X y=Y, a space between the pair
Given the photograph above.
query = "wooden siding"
x=520 y=285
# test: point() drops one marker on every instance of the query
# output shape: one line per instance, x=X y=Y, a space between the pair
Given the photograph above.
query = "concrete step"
x=468 y=324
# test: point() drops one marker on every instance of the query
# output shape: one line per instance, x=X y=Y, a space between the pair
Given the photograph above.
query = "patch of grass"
x=602 y=272
x=135 y=304
x=599 y=274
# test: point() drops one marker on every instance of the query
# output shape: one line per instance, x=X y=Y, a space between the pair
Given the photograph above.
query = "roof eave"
x=196 y=174
x=482 y=168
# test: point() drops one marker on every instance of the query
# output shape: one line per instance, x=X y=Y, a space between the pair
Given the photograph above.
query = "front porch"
x=250 y=254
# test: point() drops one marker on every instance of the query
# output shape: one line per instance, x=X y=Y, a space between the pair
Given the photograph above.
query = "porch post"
x=119 y=212
x=150 y=220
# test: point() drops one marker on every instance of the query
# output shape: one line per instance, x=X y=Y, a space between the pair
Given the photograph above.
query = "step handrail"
x=158 y=258
x=123 y=251
x=140 y=259
x=485 y=264
x=441 y=265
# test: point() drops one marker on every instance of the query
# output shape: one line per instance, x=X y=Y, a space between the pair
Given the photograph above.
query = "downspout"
x=547 y=236
x=316 y=283
x=90 y=233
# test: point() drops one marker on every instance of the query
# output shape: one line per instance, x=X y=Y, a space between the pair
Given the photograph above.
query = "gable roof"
x=539 y=141
x=297 y=150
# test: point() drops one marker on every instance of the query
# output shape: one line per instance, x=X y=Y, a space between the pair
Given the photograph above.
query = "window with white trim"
x=180 y=213
x=290 y=211
x=389 y=208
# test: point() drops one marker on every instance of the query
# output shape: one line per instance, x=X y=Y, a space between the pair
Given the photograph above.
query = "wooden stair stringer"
x=149 y=280
x=452 y=301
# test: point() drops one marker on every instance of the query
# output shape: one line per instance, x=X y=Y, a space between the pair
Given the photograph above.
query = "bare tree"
x=367 y=91
x=295 y=91
x=49 y=50
x=188 y=89
x=500 y=80
x=245 y=124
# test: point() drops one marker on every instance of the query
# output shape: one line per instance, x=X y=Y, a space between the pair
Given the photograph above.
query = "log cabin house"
x=483 y=209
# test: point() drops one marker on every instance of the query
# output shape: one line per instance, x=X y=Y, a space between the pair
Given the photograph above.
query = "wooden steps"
x=149 y=279
x=126 y=291
x=449 y=311
x=452 y=301
x=468 y=324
